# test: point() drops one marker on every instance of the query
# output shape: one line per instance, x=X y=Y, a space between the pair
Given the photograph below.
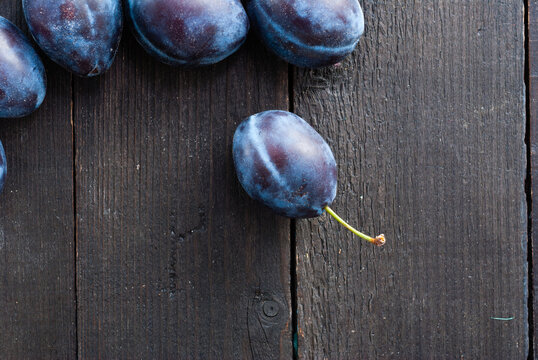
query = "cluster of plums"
x=280 y=160
x=83 y=36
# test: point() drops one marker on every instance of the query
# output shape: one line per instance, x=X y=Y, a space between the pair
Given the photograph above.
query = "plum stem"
x=378 y=240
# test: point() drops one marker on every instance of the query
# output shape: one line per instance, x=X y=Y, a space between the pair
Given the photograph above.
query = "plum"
x=282 y=162
x=23 y=82
x=308 y=33
x=189 y=33
x=3 y=167
x=80 y=35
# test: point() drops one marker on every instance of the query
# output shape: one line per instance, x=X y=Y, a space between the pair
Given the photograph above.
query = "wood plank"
x=37 y=294
x=427 y=122
x=174 y=261
x=533 y=139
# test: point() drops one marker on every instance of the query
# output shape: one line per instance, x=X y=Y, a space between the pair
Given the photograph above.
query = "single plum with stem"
x=285 y=164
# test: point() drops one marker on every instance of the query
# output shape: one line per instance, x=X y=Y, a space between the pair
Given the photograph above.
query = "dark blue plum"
x=80 y=35
x=3 y=167
x=308 y=33
x=284 y=163
x=189 y=33
x=23 y=82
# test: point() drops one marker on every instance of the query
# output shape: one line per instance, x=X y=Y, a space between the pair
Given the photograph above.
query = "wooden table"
x=124 y=233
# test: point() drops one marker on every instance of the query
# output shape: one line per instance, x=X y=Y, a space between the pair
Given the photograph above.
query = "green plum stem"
x=378 y=240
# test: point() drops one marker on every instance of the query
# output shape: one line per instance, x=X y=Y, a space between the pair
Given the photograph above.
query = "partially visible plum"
x=285 y=164
x=189 y=33
x=308 y=33
x=80 y=35
x=23 y=82
x=3 y=167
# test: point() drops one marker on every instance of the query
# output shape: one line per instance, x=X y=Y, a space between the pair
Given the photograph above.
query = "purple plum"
x=80 y=35
x=285 y=164
x=3 y=167
x=189 y=33
x=23 y=82
x=308 y=33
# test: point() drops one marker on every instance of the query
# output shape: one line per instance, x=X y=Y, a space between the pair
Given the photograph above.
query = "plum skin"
x=23 y=82
x=80 y=35
x=189 y=33
x=284 y=163
x=3 y=167
x=308 y=33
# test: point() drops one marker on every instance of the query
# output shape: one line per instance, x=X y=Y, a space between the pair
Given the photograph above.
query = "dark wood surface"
x=37 y=258
x=532 y=108
x=427 y=122
x=173 y=260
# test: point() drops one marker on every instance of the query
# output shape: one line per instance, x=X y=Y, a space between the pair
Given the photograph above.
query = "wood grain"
x=532 y=56
x=174 y=260
x=37 y=294
x=427 y=123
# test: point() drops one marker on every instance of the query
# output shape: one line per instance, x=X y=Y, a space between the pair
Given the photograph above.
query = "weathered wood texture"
x=37 y=295
x=532 y=56
x=427 y=122
x=173 y=260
